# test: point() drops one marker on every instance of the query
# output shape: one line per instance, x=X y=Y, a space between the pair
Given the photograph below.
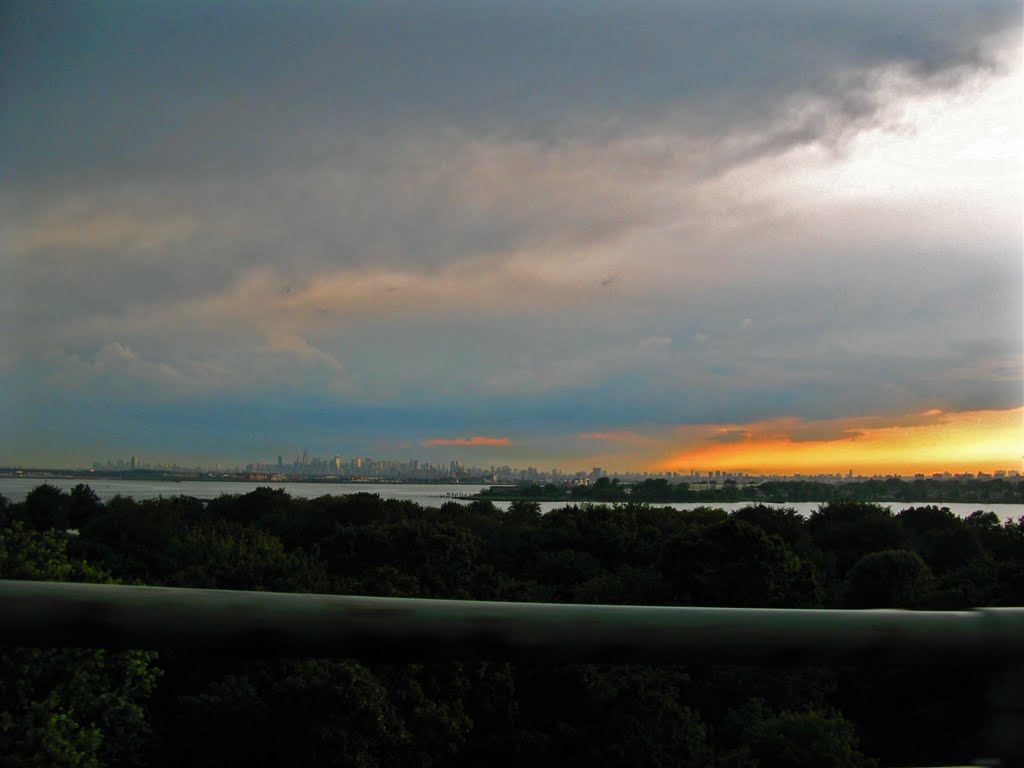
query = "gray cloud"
x=105 y=93
x=531 y=211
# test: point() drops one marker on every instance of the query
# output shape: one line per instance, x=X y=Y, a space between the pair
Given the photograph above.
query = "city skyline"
x=358 y=464
x=643 y=236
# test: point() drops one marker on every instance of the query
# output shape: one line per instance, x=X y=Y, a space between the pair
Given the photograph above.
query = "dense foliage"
x=93 y=708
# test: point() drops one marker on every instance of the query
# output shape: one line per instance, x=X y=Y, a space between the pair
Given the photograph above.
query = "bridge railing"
x=401 y=629
x=52 y=614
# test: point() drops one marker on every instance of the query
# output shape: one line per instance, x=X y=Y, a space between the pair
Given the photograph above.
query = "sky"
x=642 y=235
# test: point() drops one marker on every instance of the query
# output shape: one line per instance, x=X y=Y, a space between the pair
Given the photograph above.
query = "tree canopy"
x=85 y=708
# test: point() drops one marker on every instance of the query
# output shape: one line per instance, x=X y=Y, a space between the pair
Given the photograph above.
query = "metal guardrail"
x=55 y=614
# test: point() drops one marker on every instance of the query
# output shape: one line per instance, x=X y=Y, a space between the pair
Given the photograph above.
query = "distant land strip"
x=658 y=491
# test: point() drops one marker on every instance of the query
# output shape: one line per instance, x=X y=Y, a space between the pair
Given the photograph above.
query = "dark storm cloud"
x=344 y=133
x=105 y=90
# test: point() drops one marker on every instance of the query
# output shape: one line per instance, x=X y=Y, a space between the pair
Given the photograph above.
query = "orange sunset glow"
x=472 y=441
x=929 y=442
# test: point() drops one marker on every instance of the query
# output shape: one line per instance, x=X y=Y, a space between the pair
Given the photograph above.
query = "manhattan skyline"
x=357 y=468
x=769 y=238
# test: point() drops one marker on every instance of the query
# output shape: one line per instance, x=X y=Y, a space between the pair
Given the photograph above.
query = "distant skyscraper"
x=135 y=462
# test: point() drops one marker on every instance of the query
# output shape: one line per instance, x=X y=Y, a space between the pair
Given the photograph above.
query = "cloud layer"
x=514 y=219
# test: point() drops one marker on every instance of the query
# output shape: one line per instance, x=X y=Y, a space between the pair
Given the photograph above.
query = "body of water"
x=17 y=488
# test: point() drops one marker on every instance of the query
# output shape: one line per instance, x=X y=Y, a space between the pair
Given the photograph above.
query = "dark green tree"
x=805 y=739
x=232 y=556
x=295 y=712
x=83 y=506
x=46 y=506
x=735 y=563
x=893 y=578
x=523 y=512
x=68 y=707
x=848 y=530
